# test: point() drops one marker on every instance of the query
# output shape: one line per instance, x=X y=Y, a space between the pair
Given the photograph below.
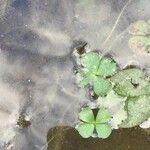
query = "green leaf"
x=138 y=109
x=140 y=43
x=107 y=67
x=86 y=115
x=103 y=130
x=133 y=88
x=101 y=86
x=90 y=61
x=131 y=82
x=86 y=80
x=127 y=74
x=125 y=88
x=140 y=28
x=85 y=129
x=103 y=116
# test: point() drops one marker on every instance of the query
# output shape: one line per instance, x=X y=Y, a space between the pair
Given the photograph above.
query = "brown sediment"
x=67 y=138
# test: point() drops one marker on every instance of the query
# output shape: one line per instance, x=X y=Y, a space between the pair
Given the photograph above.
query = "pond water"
x=37 y=80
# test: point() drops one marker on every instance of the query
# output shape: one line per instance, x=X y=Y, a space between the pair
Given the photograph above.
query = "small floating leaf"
x=86 y=115
x=85 y=129
x=103 y=116
x=131 y=82
x=88 y=123
x=101 y=86
x=141 y=36
x=139 y=28
x=107 y=67
x=90 y=61
x=141 y=43
x=103 y=130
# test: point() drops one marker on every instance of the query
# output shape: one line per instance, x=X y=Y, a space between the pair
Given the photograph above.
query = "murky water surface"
x=37 y=78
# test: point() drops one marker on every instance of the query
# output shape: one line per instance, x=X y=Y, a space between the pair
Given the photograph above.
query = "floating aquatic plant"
x=125 y=94
x=141 y=36
x=88 y=123
x=131 y=82
x=134 y=85
x=96 y=70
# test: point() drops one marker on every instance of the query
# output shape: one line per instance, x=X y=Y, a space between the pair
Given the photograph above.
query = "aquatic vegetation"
x=131 y=82
x=123 y=93
x=135 y=86
x=89 y=122
x=96 y=70
x=140 y=39
x=113 y=100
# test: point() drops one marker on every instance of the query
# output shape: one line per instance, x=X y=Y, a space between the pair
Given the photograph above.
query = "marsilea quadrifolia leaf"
x=140 y=40
x=95 y=71
x=134 y=85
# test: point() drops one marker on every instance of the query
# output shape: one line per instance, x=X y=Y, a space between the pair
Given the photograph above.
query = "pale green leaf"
x=103 y=130
x=118 y=117
x=138 y=109
x=131 y=82
x=85 y=129
x=86 y=115
x=103 y=116
x=102 y=86
x=127 y=74
x=91 y=61
x=107 y=67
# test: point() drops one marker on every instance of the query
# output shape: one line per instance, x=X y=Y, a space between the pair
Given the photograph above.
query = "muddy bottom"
x=66 y=138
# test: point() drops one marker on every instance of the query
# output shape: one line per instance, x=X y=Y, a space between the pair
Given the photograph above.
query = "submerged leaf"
x=85 y=129
x=141 y=36
x=140 y=28
x=103 y=130
x=140 y=43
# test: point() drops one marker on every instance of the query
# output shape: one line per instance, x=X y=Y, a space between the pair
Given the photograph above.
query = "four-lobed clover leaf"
x=141 y=36
x=96 y=70
x=89 y=123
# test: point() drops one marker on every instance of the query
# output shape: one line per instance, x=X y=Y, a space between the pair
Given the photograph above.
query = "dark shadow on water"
x=67 y=138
